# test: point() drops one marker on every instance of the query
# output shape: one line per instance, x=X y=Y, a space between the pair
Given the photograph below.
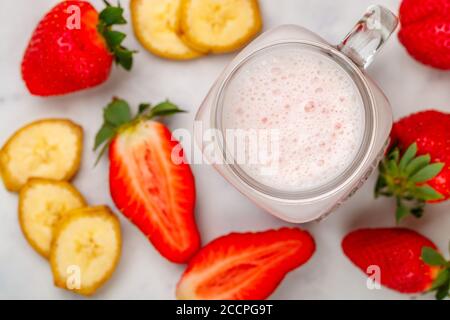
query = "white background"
x=142 y=273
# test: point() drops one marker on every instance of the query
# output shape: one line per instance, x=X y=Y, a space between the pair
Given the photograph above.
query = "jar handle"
x=369 y=35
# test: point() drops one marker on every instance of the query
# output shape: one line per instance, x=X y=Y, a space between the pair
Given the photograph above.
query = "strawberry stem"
x=404 y=178
x=109 y=17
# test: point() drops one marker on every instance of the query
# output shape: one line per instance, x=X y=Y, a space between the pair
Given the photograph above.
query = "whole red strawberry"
x=73 y=48
x=404 y=260
x=149 y=179
x=425 y=31
x=417 y=167
x=245 y=266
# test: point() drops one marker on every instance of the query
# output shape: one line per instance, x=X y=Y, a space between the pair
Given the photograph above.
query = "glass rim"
x=334 y=185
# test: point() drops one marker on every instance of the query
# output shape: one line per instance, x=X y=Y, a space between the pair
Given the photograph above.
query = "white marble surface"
x=142 y=273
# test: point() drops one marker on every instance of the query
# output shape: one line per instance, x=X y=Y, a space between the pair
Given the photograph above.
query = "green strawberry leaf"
x=109 y=17
x=165 y=108
x=124 y=57
x=112 y=15
x=401 y=211
x=432 y=257
x=106 y=133
x=114 y=38
x=442 y=292
x=117 y=113
x=392 y=167
x=417 y=164
x=426 y=193
x=409 y=155
x=441 y=283
x=102 y=152
x=427 y=173
x=143 y=107
x=442 y=278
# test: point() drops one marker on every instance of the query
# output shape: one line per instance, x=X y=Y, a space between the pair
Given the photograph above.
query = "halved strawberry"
x=156 y=192
x=245 y=266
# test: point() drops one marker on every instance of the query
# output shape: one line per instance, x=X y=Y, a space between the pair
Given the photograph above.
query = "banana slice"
x=48 y=148
x=155 y=23
x=219 y=26
x=85 y=249
x=42 y=203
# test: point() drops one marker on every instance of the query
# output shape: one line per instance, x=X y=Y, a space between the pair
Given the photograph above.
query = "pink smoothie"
x=311 y=102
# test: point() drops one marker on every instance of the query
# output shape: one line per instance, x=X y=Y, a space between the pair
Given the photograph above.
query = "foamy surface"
x=306 y=100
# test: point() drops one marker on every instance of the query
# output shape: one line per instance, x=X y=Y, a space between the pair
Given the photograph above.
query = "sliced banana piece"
x=155 y=23
x=49 y=148
x=42 y=203
x=85 y=249
x=219 y=26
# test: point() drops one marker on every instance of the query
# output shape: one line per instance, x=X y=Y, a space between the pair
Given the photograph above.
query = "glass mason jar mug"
x=312 y=125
